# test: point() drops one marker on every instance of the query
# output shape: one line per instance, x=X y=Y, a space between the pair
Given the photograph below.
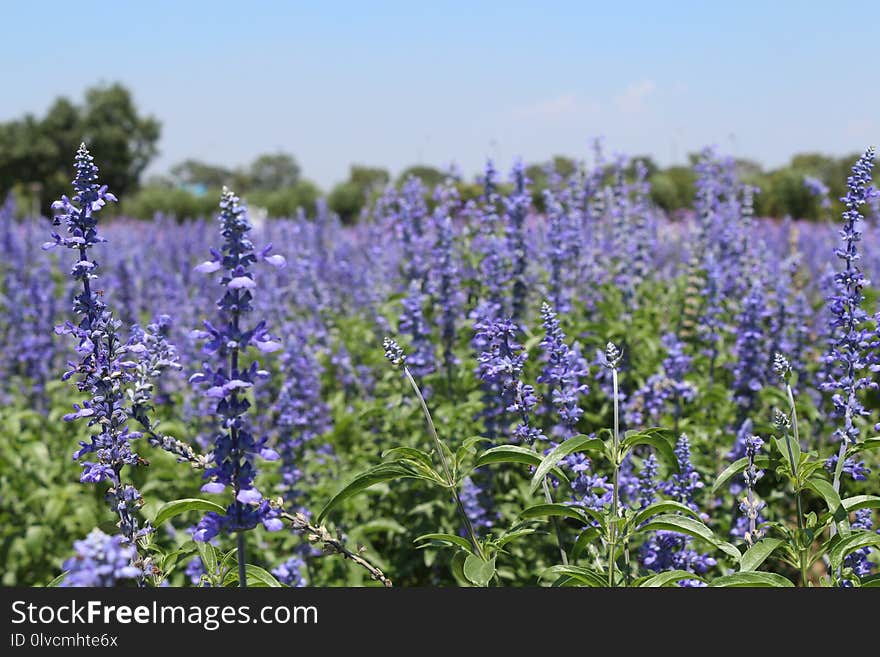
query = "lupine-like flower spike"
x=501 y=365
x=412 y=322
x=101 y=560
x=302 y=416
x=661 y=388
x=517 y=205
x=751 y=505
x=647 y=486
x=235 y=447
x=446 y=281
x=563 y=372
x=107 y=364
x=849 y=358
x=858 y=560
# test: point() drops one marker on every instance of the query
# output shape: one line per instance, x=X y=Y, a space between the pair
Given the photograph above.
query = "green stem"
x=447 y=471
x=838 y=469
x=802 y=549
x=614 y=496
x=242 y=573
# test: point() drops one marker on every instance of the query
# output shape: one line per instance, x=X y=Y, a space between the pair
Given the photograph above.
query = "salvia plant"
x=581 y=391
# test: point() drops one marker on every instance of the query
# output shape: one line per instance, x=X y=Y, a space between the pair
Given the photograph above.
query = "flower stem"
x=447 y=471
x=612 y=530
x=802 y=548
x=242 y=560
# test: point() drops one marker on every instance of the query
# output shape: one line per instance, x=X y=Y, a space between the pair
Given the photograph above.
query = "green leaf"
x=782 y=447
x=411 y=453
x=826 y=491
x=478 y=571
x=564 y=574
x=758 y=553
x=693 y=528
x=471 y=442
x=229 y=560
x=257 y=577
x=583 y=541
x=666 y=506
x=751 y=578
x=208 y=555
x=375 y=475
x=848 y=544
x=457 y=568
x=868 y=443
x=563 y=511
x=515 y=454
x=660 y=439
x=170 y=560
x=176 y=507
x=861 y=502
x=446 y=540
x=579 y=443
x=57 y=581
x=513 y=535
x=668 y=578
x=870 y=581
x=468 y=445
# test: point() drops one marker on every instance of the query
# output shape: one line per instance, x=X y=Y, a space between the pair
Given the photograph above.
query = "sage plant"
x=851 y=352
x=227 y=379
x=106 y=362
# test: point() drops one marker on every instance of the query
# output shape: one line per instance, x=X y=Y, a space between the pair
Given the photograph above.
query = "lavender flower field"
x=448 y=393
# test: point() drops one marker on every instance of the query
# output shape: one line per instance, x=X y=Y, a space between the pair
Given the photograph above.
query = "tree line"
x=34 y=168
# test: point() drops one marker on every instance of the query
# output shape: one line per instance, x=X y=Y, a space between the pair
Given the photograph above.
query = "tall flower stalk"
x=751 y=506
x=235 y=447
x=106 y=363
x=517 y=205
x=395 y=355
x=613 y=356
x=849 y=353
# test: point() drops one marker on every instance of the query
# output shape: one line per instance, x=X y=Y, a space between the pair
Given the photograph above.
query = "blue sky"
x=395 y=83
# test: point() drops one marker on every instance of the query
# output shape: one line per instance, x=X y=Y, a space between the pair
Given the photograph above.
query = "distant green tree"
x=347 y=199
x=273 y=171
x=784 y=193
x=123 y=141
x=748 y=168
x=35 y=153
x=190 y=173
x=284 y=202
x=430 y=176
x=673 y=188
x=368 y=178
x=182 y=204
